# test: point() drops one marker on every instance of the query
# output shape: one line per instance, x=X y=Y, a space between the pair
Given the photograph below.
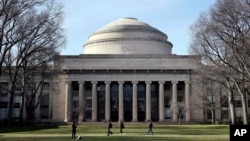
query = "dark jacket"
x=110 y=125
x=74 y=127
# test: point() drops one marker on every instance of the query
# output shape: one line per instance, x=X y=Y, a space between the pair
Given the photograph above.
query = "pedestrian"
x=121 y=125
x=74 y=130
x=150 y=127
x=109 y=125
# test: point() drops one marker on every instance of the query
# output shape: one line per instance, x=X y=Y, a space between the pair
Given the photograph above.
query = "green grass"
x=133 y=132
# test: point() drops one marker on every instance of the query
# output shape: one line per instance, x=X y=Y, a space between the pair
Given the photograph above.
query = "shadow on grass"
x=26 y=128
x=114 y=138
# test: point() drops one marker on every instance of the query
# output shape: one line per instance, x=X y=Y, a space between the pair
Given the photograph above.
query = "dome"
x=128 y=36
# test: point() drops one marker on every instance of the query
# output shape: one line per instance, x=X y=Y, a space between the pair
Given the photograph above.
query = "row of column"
x=121 y=100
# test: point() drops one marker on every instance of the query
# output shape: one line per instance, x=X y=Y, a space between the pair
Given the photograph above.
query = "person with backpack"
x=74 y=130
x=121 y=125
x=110 y=125
x=150 y=127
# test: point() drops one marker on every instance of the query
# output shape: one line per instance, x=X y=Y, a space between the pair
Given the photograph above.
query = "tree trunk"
x=213 y=116
x=244 y=108
x=231 y=107
x=10 y=108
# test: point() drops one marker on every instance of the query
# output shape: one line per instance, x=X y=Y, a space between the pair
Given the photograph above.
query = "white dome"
x=128 y=36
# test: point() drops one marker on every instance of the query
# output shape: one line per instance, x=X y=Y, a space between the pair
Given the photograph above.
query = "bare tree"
x=31 y=34
x=222 y=38
x=208 y=96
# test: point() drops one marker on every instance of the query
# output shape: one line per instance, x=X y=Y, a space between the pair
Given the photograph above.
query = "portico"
x=115 y=98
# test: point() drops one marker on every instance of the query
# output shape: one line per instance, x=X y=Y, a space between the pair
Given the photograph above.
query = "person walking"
x=74 y=130
x=150 y=127
x=121 y=125
x=110 y=125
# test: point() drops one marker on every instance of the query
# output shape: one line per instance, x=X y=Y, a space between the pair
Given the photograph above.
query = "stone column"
x=134 y=102
x=81 y=102
x=94 y=100
x=121 y=105
x=148 y=100
x=187 y=100
x=68 y=102
x=107 y=101
x=161 y=101
x=174 y=100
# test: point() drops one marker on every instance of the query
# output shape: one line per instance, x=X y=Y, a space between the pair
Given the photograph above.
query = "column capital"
x=134 y=82
x=120 y=82
x=81 y=82
x=68 y=82
x=161 y=82
x=148 y=82
x=174 y=82
x=107 y=82
x=94 y=82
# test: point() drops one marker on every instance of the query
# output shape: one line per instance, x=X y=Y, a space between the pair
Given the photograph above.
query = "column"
x=107 y=100
x=94 y=100
x=68 y=104
x=187 y=100
x=174 y=100
x=121 y=105
x=148 y=100
x=81 y=102
x=134 y=102
x=161 y=101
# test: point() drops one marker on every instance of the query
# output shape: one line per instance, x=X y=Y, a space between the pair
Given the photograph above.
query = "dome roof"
x=128 y=36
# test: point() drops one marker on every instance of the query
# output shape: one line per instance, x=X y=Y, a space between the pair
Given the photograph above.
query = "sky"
x=173 y=17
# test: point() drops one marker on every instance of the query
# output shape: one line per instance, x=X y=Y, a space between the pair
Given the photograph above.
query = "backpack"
x=122 y=125
x=110 y=125
x=150 y=125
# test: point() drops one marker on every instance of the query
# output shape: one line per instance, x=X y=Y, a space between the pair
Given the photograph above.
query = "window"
x=44 y=106
x=237 y=101
x=180 y=97
x=224 y=101
x=167 y=101
x=3 y=101
x=17 y=101
x=3 y=87
x=224 y=114
x=3 y=113
x=209 y=114
x=16 y=113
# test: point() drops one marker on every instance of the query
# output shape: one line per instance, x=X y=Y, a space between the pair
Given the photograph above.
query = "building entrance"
x=128 y=102
x=141 y=101
x=101 y=102
x=114 y=92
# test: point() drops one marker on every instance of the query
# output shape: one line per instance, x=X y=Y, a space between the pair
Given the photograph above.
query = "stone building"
x=127 y=72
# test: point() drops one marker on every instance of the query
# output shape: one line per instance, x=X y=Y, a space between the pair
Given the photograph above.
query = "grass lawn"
x=133 y=132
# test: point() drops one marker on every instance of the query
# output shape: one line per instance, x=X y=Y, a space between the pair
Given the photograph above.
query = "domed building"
x=127 y=72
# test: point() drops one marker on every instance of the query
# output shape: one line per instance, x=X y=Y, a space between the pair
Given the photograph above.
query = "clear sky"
x=173 y=17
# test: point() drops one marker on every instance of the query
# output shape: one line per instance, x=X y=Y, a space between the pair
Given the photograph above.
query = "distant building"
x=127 y=72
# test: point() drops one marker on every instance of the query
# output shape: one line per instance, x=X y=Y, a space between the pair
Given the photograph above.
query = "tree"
x=30 y=35
x=208 y=96
x=222 y=38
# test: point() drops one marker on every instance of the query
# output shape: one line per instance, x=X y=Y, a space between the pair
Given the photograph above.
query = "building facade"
x=127 y=72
